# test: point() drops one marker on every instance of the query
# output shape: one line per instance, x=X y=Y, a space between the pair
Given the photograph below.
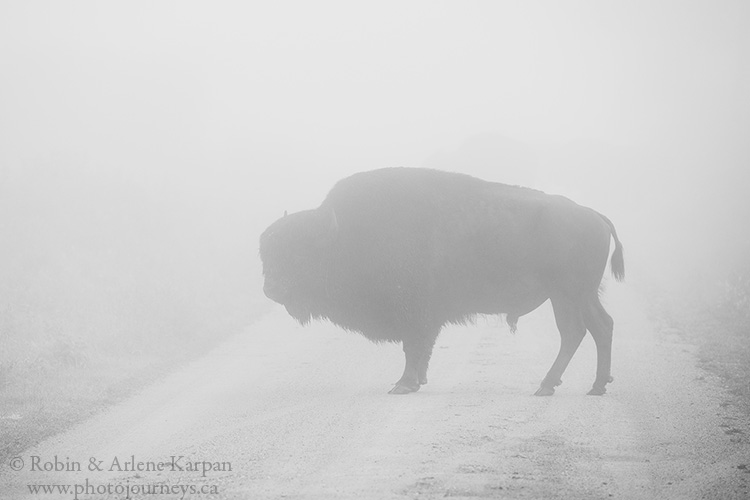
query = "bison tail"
x=617 y=263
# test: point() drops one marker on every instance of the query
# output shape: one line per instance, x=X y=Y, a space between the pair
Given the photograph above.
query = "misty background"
x=144 y=146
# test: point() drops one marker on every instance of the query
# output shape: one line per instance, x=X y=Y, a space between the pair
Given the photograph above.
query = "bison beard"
x=397 y=253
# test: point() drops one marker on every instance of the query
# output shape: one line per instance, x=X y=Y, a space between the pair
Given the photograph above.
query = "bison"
x=397 y=253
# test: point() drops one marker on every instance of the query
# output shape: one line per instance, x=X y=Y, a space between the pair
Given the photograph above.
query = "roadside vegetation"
x=714 y=315
x=106 y=283
x=723 y=333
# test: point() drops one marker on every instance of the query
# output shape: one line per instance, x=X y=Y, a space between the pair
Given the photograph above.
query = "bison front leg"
x=417 y=353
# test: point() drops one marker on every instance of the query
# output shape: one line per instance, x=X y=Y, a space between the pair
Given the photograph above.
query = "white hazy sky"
x=274 y=101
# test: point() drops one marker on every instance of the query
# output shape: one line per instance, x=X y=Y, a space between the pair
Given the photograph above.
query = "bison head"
x=295 y=251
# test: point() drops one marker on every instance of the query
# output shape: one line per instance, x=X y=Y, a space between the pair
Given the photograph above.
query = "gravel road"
x=303 y=413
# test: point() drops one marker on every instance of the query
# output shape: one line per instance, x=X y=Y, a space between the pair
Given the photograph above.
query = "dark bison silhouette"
x=397 y=253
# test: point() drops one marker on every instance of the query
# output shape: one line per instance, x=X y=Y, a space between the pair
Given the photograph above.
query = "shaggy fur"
x=397 y=253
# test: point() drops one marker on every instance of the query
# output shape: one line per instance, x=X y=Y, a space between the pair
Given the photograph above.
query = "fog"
x=145 y=145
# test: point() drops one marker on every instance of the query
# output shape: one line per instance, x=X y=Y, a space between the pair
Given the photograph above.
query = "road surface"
x=281 y=411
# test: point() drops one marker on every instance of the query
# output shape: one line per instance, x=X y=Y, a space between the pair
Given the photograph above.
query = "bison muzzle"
x=397 y=253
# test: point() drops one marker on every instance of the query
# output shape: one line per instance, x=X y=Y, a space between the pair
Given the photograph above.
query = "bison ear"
x=329 y=226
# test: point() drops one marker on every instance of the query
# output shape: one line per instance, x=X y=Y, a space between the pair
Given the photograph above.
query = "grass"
x=105 y=285
x=716 y=318
x=722 y=330
x=74 y=381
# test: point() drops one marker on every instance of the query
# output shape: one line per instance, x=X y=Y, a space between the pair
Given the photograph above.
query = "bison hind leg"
x=570 y=323
x=600 y=324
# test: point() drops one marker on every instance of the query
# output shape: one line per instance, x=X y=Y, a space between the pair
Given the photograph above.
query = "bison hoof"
x=599 y=388
x=597 y=391
x=403 y=389
x=544 y=391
